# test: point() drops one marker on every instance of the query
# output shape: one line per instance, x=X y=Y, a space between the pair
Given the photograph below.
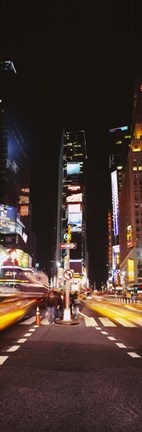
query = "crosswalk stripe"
x=28 y=321
x=90 y=322
x=106 y=322
x=124 y=322
x=138 y=321
x=2 y=359
x=45 y=321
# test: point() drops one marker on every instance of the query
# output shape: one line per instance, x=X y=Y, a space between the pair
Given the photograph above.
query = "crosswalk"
x=92 y=322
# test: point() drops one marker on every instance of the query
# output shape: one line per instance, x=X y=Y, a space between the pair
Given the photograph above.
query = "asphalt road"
x=71 y=378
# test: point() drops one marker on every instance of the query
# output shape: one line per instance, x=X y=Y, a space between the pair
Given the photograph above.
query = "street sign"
x=68 y=274
x=68 y=245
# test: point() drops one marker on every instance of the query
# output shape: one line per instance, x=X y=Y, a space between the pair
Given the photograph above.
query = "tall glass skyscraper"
x=71 y=208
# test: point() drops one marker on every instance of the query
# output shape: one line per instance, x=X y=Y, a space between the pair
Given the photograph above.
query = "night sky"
x=78 y=62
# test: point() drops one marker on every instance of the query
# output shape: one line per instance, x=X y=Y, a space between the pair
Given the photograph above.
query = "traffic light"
x=67 y=235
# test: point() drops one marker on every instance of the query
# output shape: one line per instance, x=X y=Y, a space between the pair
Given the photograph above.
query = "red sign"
x=68 y=245
x=68 y=274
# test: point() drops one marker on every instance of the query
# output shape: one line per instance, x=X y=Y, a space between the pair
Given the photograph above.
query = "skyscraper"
x=15 y=157
x=130 y=202
x=120 y=140
x=71 y=208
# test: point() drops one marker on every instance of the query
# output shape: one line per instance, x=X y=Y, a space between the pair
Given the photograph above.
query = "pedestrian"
x=76 y=303
x=51 y=305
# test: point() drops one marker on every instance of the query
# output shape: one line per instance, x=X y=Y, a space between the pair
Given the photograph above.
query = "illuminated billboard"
x=130 y=270
x=74 y=198
x=8 y=218
x=114 y=185
x=129 y=236
x=73 y=168
x=14 y=257
x=74 y=208
x=75 y=219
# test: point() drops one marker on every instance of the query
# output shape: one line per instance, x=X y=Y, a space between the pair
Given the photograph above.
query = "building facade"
x=120 y=139
x=71 y=208
x=130 y=202
x=15 y=156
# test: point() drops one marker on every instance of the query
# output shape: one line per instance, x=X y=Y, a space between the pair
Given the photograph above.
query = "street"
x=84 y=377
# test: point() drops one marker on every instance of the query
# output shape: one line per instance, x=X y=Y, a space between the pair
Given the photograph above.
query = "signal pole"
x=67 y=311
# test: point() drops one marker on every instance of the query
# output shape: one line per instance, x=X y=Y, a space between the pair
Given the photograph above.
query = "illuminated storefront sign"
x=114 y=184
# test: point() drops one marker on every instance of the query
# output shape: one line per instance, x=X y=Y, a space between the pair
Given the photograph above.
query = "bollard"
x=37 y=316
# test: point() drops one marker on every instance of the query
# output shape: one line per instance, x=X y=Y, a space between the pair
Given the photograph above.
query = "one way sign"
x=68 y=245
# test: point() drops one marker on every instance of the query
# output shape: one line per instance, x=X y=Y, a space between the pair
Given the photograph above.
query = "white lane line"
x=104 y=332
x=90 y=322
x=27 y=334
x=98 y=328
x=111 y=338
x=13 y=348
x=22 y=340
x=32 y=330
x=106 y=322
x=124 y=322
x=36 y=325
x=28 y=321
x=3 y=359
x=120 y=345
x=133 y=354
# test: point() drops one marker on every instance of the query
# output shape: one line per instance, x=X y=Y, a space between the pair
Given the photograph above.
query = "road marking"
x=104 y=332
x=90 y=322
x=134 y=355
x=13 y=348
x=120 y=345
x=106 y=322
x=45 y=321
x=32 y=330
x=28 y=321
x=98 y=328
x=111 y=337
x=124 y=322
x=22 y=340
x=3 y=359
x=27 y=334
x=138 y=321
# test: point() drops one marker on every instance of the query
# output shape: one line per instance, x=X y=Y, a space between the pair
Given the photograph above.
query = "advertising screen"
x=75 y=219
x=73 y=168
x=14 y=257
x=130 y=271
x=74 y=208
x=18 y=158
x=114 y=185
x=8 y=217
x=74 y=198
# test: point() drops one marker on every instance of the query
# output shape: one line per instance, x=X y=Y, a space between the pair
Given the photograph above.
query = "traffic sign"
x=68 y=274
x=68 y=245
